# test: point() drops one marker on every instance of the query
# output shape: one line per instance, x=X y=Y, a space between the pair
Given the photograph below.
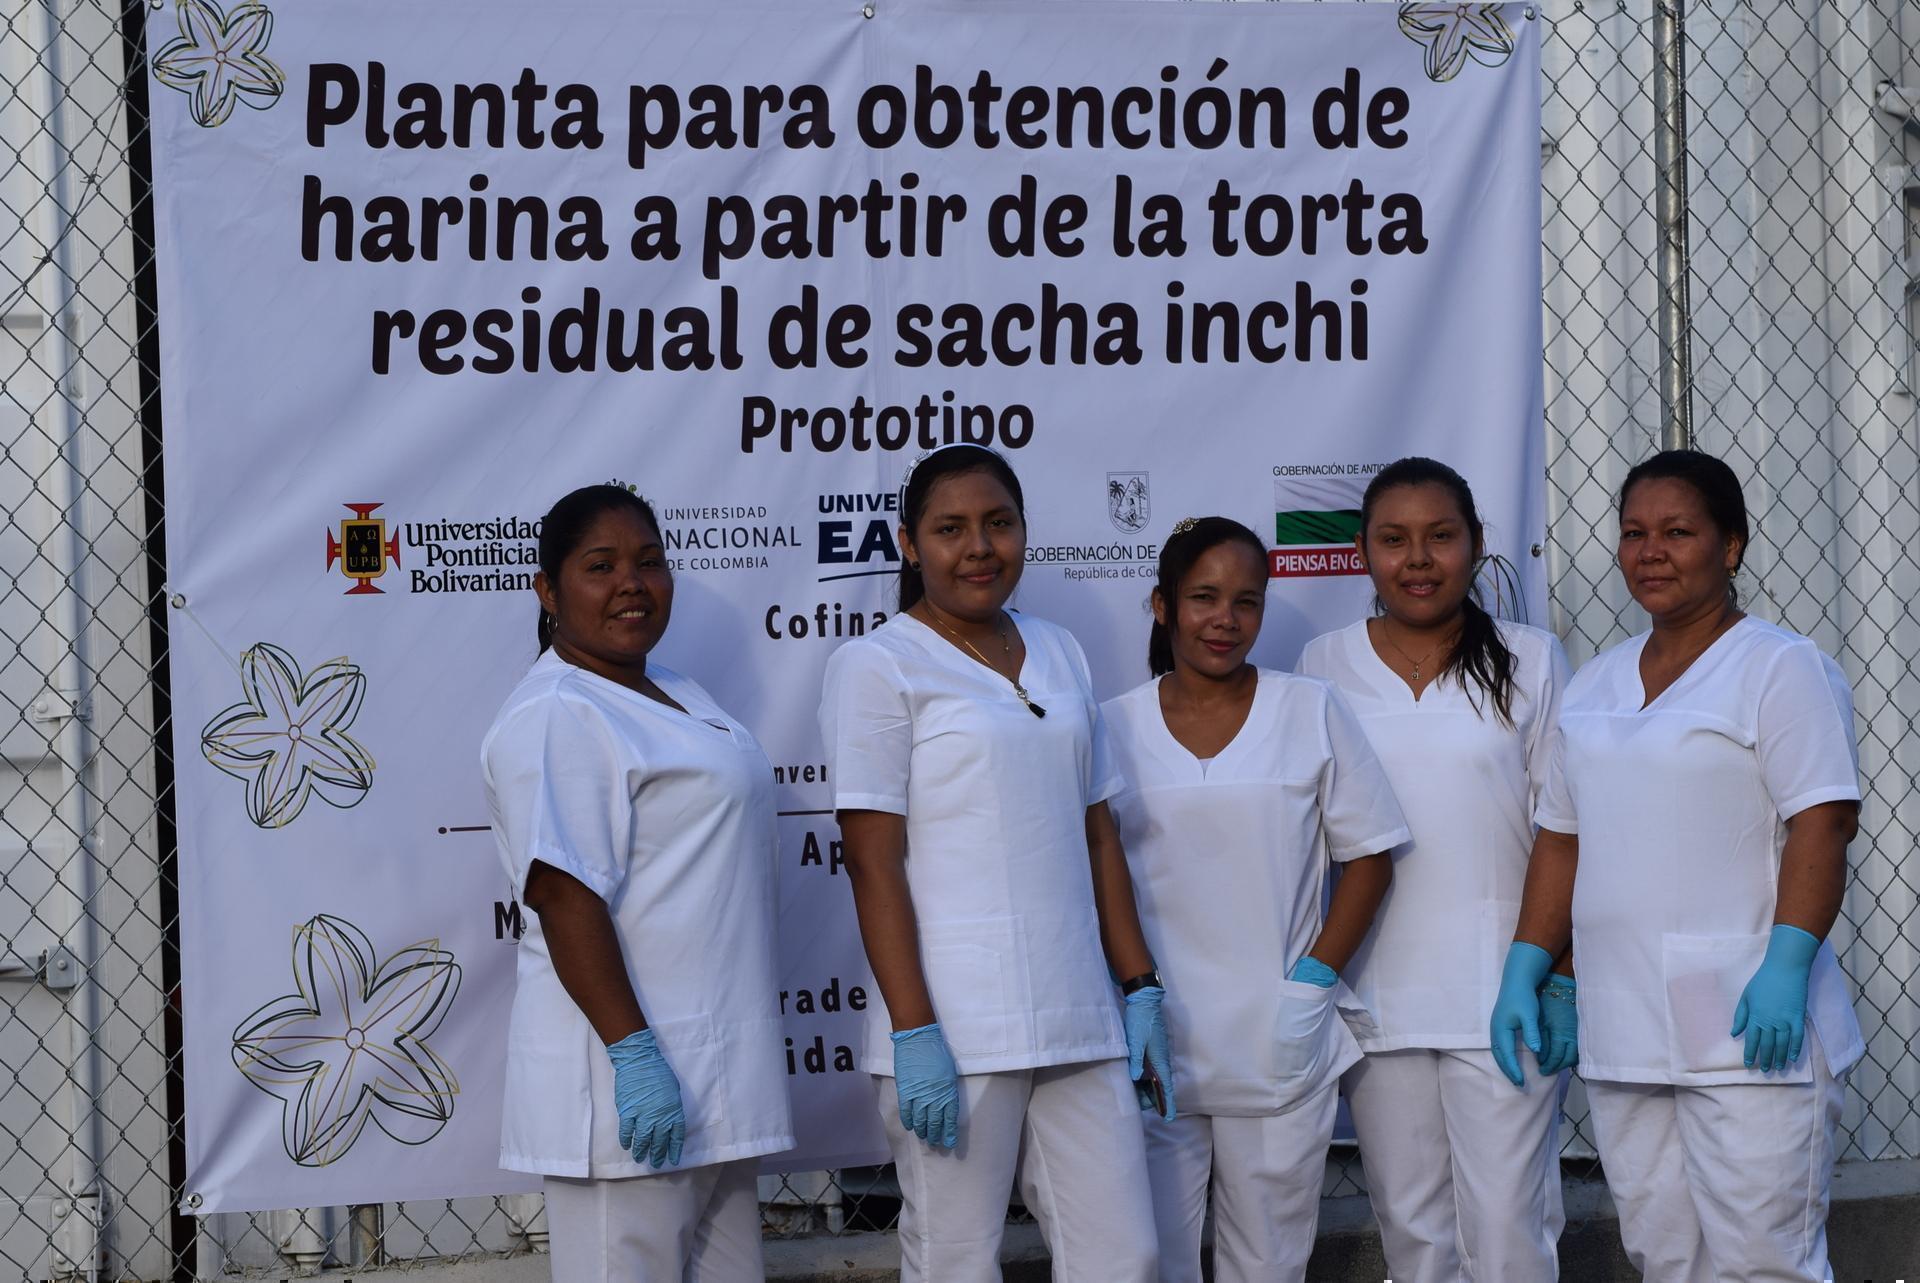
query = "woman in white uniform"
x=1693 y=836
x=971 y=773
x=1463 y=1171
x=1245 y=787
x=635 y=818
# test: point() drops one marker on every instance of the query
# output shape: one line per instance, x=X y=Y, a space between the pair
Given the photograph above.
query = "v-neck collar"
x=1391 y=684
x=1183 y=754
x=686 y=712
x=1636 y=685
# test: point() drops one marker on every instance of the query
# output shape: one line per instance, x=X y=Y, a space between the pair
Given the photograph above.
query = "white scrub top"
x=1430 y=967
x=668 y=816
x=1681 y=810
x=996 y=806
x=1230 y=867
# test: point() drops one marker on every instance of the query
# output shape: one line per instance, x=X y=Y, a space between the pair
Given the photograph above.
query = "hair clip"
x=1183 y=525
x=906 y=478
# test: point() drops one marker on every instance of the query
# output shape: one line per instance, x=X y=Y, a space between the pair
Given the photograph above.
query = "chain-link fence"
x=1767 y=303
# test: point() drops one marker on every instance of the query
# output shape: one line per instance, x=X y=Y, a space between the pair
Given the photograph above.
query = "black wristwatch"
x=1150 y=980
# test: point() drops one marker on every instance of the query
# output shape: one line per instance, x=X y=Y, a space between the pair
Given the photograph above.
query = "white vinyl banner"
x=423 y=268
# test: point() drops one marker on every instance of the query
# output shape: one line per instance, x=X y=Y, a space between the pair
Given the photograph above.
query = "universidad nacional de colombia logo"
x=361 y=546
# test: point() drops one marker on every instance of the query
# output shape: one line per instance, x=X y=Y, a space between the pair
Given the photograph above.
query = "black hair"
x=566 y=524
x=1715 y=483
x=1480 y=659
x=1177 y=555
x=947 y=461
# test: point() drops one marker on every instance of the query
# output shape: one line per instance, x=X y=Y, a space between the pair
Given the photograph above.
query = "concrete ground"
x=1873 y=1231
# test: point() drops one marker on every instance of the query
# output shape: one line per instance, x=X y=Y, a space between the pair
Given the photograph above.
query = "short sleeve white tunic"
x=995 y=801
x=1430 y=967
x=1681 y=807
x=668 y=816
x=1230 y=867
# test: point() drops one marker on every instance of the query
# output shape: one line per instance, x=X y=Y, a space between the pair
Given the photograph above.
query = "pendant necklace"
x=1417 y=663
x=1006 y=648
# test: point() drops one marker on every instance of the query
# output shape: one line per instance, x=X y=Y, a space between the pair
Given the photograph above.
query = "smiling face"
x=1215 y=617
x=971 y=543
x=1676 y=561
x=1420 y=552
x=613 y=596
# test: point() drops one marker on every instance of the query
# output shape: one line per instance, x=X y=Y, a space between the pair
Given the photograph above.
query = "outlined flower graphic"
x=219 y=59
x=288 y=738
x=350 y=1046
x=1453 y=33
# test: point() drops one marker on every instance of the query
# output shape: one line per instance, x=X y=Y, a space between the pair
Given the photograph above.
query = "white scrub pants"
x=1071 y=1134
x=701 y=1225
x=1725 y=1184
x=1266 y=1175
x=1462 y=1166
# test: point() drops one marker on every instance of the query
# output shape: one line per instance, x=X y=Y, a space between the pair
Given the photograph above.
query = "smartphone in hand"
x=1149 y=1082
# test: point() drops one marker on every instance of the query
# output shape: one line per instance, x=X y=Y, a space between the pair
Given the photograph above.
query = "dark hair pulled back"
x=929 y=471
x=1178 y=554
x=1480 y=662
x=567 y=523
x=1715 y=483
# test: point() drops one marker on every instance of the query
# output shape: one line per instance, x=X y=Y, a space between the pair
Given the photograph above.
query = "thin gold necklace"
x=1417 y=663
x=1005 y=646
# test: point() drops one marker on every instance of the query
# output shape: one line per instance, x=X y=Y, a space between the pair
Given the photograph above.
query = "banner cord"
x=178 y=601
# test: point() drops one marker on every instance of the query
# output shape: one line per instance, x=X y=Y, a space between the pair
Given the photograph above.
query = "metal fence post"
x=79 y=1243
x=1670 y=209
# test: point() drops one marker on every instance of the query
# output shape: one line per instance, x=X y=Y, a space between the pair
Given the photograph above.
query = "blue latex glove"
x=1310 y=970
x=653 y=1123
x=1773 y=1010
x=1560 y=1026
x=927 y=1084
x=1517 y=1008
x=1147 y=1046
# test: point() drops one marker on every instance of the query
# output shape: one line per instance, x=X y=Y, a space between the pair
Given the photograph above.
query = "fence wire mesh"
x=1802 y=136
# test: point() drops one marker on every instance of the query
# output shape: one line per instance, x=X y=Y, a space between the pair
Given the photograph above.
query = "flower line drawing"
x=1454 y=33
x=288 y=737
x=349 y=1047
x=219 y=59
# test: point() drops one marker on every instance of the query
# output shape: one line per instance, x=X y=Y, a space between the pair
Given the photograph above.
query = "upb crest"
x=1128 y=503
x=362 y=548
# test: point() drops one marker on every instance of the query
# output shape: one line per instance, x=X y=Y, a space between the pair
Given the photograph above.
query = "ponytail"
x=1159 y=648
x=912 y=586
x=1482 y=662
